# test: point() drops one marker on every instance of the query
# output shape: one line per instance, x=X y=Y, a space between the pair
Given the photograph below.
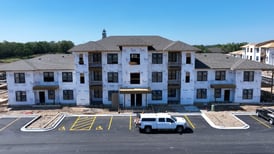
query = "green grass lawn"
x=13 y=59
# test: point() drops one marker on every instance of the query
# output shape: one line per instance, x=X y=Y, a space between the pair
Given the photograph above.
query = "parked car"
x=267 y=114
x=147 y=122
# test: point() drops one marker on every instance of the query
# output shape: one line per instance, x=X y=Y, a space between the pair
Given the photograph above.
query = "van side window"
x=161 y=119
x=169 y=120
x=148 y=119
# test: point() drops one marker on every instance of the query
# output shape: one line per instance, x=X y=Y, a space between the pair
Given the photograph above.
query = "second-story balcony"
x=95 y=64
x=95 y=83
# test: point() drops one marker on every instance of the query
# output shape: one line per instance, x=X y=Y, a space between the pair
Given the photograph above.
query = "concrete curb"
x=246 y=126
x=25 y=129
x=129 y=114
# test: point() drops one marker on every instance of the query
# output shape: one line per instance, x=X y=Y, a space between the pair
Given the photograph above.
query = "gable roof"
x=113 y=43
x=45 y=62
x=222 y=61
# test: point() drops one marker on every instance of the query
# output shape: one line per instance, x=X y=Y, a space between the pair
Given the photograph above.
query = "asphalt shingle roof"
x=112 y=43
x=222 y=61
x=45 y=62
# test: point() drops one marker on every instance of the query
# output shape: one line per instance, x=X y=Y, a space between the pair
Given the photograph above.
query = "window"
x=188 y=58
x=201 y=93
x=19 y=77
x=171 y=92
x=157 y=58
x=251 y=50
x=96 y=58
x=51 y=94
x=97 y=75
x=247 y=93
x=97 y=93
x=134 y=78
x=187 y=78
x=110 y=94
x=257 y=49
x=217 y=92
x=161 y=119
x=156 y=76
x=67 y=76
x=248 y=75
x=220 y=75
x=67 y=94
x=172 y=56
x=21 y=96
x=202 y=76
x=172 y=74
x=134 y=59
x=156 y=94
x=169 y=120
x=113 y=77
x=257 y=58
x=82 y=78
x=250 y=58
x=48 y=76
x=112 y=58
x=81 y=59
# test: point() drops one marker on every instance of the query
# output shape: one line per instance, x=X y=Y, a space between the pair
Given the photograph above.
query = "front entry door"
x=227 y=95
x=42 y=97
x=135 y=100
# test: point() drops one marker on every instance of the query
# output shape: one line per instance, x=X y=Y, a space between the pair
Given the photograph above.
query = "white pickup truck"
x=159 y=121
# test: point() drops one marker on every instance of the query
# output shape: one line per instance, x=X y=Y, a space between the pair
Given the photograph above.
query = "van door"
x=170 y=123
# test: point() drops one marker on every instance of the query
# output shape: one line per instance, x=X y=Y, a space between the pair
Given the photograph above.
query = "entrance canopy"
x=134 y=90
x=45 y=87
x=222 y=86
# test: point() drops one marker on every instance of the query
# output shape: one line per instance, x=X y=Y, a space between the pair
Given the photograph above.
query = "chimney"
x=104 y=34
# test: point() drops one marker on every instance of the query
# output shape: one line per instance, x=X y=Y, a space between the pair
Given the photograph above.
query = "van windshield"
x=173 y=118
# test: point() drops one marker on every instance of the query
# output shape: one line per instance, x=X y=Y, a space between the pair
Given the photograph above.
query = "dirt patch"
x=224 y=119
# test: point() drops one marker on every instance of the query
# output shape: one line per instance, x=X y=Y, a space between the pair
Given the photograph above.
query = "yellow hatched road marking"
x=92 y=123
x=63 y=128
x=9 y=124
x=130 y=119
x=110 y=122
x=83 y=123
x=189 y=121
x=261 y=122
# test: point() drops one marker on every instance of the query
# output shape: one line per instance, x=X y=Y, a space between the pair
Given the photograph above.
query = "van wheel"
x=180 y=129
x=148 y=129
x=271 y=121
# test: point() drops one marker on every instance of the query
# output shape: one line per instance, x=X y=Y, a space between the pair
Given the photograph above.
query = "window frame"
x=112 y=58
x=48 y=76
x=202 y=75
x=19 y=78
x=157 y=77
x=248 y=76
x=156 y=95
x=201 y=93
x=82 y=78
x=188 y=58
x=247 y=94
x=220 y=75
x=68 y=94
x=157 y=58
x=135 y=80
x=135 y=59
x=217 y=93
x=20 y=96
x=67 y=77
x=172 y=92
x=113 y=77
x=51 y=94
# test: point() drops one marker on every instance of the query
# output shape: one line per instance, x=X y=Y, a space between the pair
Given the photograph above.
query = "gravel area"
x=224 y=119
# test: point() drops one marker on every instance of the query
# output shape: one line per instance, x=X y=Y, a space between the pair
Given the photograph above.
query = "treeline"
x=15 y=49
x=229 y=47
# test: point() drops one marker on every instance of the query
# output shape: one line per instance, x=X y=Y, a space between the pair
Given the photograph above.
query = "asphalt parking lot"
x=125 y=124
x=114 y=134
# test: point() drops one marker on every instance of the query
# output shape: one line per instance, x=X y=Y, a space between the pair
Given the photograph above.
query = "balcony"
x=45 y=85
x=94 y=64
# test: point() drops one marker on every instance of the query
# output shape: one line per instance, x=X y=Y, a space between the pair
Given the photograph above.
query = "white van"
x=160 y=121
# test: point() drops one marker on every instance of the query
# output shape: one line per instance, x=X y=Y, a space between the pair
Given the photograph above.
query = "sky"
x=194 y=22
